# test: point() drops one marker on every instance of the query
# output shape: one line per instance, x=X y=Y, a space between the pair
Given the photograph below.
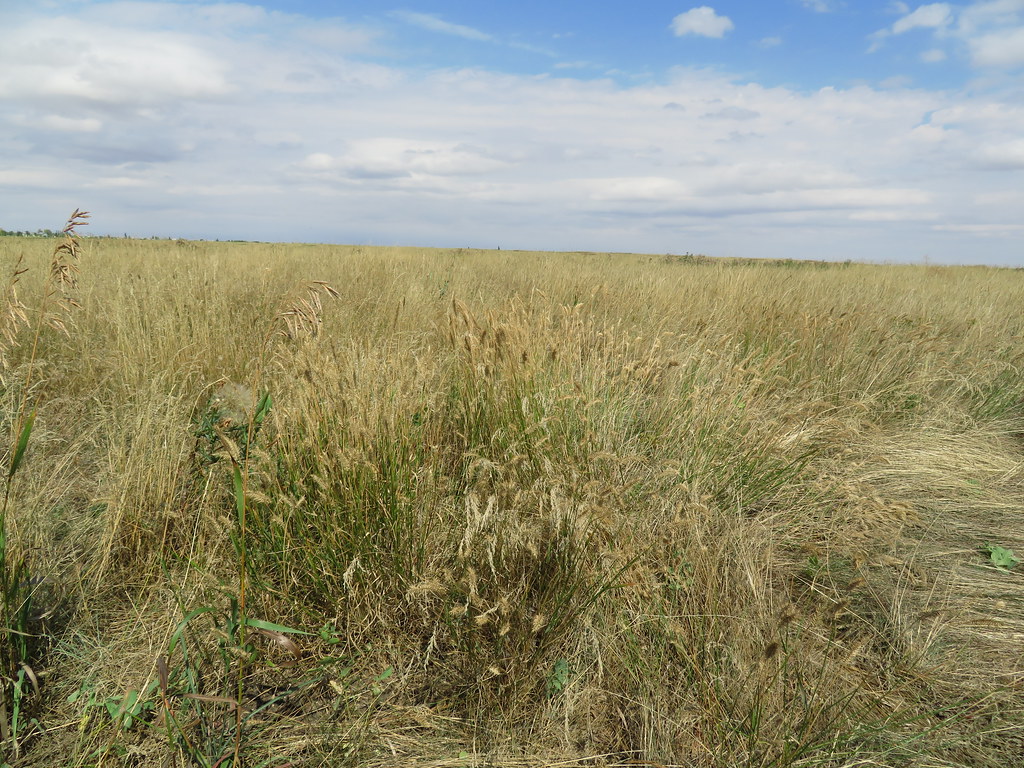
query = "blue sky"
x=798 y=128
x=809 y=44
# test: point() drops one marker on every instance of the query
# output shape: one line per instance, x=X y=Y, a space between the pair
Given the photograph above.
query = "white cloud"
x=702 y=21
x=30 y=177
x=1007 y=155
x=318 y=161
x=1002 y=230
x=397 y=158
x=769 y=42
x=992 y=32
x=433 y=23
x=105 y=65
x=897 y=215
x=993 y=13
x=436 y=24
x=120 y=182
x=896 y=81
x=1001 y=197
x=644 y=189
x=930 y=134
x=576 y=65
x=734 y=112
x=932 y=16
x=1003 y=49
x=60 y=123
x=820 y=6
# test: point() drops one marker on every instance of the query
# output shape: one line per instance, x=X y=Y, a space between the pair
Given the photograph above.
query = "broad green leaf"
x=1001 y=557
x=559 y=677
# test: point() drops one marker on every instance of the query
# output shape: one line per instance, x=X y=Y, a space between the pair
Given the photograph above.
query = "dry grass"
x=520 y=509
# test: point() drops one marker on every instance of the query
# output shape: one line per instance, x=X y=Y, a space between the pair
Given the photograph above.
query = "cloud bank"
x=230 y=121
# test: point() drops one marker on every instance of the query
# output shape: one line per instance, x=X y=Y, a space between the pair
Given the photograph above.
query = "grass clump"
x=326 y=505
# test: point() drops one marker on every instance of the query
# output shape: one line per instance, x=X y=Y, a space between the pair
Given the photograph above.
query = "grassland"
x=466 y=508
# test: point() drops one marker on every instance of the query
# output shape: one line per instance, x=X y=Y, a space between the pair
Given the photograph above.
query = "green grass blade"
x=239 y=490
x=176 y=637
x=262 y=408
x=19 y=451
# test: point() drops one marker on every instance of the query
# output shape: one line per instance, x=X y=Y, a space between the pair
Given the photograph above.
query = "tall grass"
x=24 y=637
x=520 y=508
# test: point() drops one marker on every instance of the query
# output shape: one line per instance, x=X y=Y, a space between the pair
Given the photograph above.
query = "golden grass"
x=532 y=509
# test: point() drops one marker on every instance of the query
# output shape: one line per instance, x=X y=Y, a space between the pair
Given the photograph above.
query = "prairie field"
x=304 y=505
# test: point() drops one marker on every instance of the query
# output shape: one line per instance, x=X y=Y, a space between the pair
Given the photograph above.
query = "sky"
x=814 y=129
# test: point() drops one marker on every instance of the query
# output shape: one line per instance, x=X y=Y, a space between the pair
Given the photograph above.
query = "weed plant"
x=312 y=505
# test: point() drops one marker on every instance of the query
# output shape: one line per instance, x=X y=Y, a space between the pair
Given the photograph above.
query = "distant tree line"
x=26 y=233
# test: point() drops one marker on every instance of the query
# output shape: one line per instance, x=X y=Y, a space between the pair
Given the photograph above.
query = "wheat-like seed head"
x=302 y=316
x=63 y=279
x=14 y=314
x=60 y=286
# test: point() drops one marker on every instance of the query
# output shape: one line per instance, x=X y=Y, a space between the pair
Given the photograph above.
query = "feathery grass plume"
x=63 y=278
x=13 y=314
